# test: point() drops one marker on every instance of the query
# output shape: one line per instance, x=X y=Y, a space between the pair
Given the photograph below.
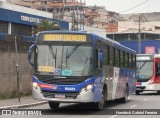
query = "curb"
x=24 y=105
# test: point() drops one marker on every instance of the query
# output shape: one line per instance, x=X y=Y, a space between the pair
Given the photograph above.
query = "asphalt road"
x=136 y=103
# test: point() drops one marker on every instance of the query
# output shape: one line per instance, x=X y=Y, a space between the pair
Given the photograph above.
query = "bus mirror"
x=31 y=54
x=101 y=56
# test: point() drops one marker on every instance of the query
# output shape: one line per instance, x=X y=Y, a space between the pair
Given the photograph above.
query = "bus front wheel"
x=158 y=92
x=100 y=105
x=137 y=92
x=53 y=105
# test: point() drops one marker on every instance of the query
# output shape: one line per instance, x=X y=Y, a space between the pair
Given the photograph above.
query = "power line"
x=134 y=6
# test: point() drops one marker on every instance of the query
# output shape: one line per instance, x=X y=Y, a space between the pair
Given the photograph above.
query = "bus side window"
x=121 y=59
x=105 y=54
x=134 y=61
x=101 y=58
x=157 y=69
x=130 y=61
x=117 y=55
x=111 y=55
x=126 y=59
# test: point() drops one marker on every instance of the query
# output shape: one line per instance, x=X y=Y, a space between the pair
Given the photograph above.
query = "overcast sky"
x=120 y=6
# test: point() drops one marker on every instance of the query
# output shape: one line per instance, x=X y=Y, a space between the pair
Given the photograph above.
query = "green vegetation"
x=46 y=25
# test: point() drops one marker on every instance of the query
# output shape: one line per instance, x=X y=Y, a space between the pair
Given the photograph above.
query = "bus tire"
x=125 y=98
x=101 y=104
x=53 y=105
x=137 y=92
x=158 y=92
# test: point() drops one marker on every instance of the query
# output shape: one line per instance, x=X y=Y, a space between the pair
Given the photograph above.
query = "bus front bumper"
x=148 y=87
x=81 y=98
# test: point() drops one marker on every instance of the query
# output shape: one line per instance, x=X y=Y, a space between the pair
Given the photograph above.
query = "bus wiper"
x=72 y=51
x=143 y=65
x=54 y=54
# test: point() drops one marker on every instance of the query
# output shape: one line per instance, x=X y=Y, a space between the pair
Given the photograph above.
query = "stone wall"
x=8 y=73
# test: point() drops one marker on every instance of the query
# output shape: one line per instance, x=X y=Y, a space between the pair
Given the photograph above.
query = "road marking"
x=114 y=116
x=133 y=106
x=145 y=99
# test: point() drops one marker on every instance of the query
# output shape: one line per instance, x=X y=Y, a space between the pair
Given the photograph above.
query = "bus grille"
x=61 y=81
x=47 y=79
x=49 y=94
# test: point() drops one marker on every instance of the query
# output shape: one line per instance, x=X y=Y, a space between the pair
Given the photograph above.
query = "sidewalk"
x=24 y=102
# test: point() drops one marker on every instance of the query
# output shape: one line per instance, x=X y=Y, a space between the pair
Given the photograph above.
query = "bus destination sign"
x=64 y=37
x=143 y=58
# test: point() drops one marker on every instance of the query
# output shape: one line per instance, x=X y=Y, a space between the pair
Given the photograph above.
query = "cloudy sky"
x=128 y=6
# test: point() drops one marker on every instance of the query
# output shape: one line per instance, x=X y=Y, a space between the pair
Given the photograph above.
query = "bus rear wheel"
x=101 y=104
x=125 y=98
x=53 y=105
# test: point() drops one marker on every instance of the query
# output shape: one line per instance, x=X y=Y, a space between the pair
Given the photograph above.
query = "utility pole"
x=73 y=20
x=18 y=91
x=77 y=18
x=139 y=19
x=80 y=14
x=45 y=2
x=139 y=35
x=64 y=4
x=83 y=17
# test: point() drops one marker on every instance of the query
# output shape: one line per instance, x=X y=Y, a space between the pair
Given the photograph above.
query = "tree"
x=45 y=25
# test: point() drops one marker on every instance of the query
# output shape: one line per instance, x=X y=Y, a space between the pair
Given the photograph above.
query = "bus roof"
x=115 y=44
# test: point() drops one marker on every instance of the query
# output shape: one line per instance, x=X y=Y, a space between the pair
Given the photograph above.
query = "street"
x=146 y=100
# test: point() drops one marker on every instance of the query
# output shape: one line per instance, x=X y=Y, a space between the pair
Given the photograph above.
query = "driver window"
x=157 y=69
x=98 y=62
x=98 y=51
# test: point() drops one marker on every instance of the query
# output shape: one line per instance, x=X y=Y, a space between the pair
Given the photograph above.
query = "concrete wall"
x=8 y=76
x=124 y=26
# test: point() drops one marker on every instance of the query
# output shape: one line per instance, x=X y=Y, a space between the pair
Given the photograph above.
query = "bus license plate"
x=59 y=95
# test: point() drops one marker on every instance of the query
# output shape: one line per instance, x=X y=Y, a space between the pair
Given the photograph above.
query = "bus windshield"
x=65 y=60
x=144 y=69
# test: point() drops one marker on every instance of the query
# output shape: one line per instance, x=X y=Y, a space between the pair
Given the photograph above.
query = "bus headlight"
x=85 y=89
x=89 y=87
x=35 y=85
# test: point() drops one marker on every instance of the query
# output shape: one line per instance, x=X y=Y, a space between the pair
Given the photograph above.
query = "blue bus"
x=81 y=67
